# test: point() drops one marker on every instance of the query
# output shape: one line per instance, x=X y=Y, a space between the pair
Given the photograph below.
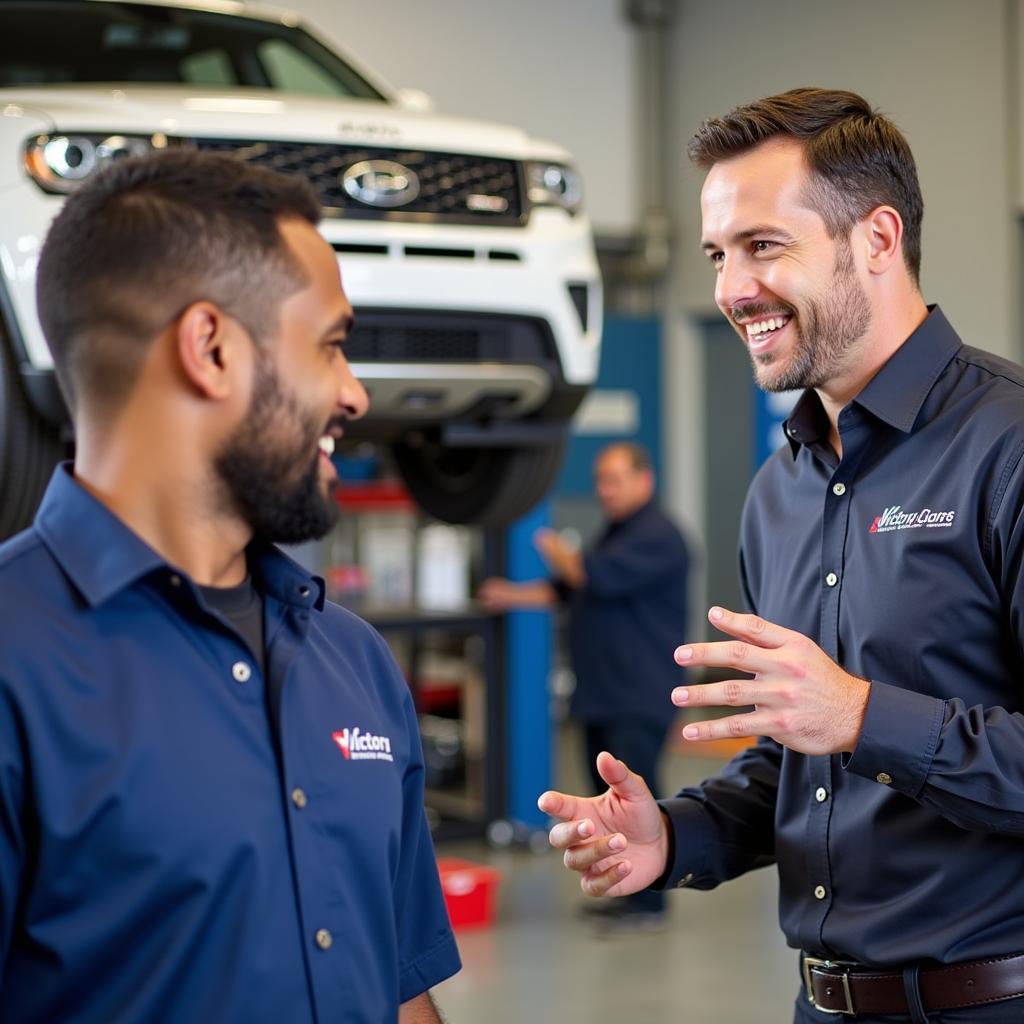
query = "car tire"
x=487 y=486
x=29 y=449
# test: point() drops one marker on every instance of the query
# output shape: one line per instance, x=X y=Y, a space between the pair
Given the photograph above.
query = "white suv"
x=463 y=245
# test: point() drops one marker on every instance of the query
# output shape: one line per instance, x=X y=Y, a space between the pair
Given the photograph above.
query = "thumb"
x=624 y=783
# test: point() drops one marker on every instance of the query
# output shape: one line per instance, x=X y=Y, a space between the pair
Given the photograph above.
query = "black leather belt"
x=838 y=987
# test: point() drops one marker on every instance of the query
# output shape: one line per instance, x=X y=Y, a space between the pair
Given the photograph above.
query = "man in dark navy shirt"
x=626 y=597
x=211 y=782
x=881 y=556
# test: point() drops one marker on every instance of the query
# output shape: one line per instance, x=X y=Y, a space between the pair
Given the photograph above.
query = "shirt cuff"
x=898 y=739
x=691 y=836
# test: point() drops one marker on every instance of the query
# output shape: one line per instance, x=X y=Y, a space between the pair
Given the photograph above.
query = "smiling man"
x=880 y=554
x=182 y=837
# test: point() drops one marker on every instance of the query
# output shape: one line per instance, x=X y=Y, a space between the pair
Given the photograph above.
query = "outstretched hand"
x=801 y=697
x=618 y=841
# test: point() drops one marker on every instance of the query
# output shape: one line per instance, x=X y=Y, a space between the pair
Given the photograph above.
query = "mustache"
x=759 y=311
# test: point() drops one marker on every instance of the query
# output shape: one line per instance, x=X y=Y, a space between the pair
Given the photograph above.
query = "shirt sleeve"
x=963 y=761
x=427 y=953
x=633 y=559
x=725 y=826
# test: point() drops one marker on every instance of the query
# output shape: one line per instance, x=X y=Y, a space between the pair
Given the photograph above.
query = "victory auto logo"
x=362 y=746
x=894 y=518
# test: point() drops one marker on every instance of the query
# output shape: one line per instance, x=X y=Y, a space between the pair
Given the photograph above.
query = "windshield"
x=48 y=42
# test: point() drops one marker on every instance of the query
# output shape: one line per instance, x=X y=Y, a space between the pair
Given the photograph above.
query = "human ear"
x=883 y=231
x=209 y=348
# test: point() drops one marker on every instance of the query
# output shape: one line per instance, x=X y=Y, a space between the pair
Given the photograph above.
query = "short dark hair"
x=859 y=159
x=135 y=246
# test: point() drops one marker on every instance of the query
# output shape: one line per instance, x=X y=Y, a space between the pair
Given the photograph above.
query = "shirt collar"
x=102 y=556
x=896 y=393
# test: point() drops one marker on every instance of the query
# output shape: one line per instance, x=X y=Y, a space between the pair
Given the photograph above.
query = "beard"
x=257 y=467
x=826 y=332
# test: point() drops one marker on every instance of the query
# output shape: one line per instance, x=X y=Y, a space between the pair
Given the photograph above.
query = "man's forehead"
x=771 y=178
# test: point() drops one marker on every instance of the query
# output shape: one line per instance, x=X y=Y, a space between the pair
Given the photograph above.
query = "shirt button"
x=819 y=892
x=831 y=579
x=174 y=579
x=685 y=880
x=839 y=490
x=324 y=939
x=303 y=591
x=241 y=671
x=884 y=778
x=821 y=794
x=299 y=797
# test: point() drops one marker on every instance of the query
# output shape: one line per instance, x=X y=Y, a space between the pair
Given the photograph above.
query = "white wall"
x=560 y=69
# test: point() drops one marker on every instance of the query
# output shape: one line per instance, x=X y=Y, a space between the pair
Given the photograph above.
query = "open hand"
x=618 y=841
x=801 y=697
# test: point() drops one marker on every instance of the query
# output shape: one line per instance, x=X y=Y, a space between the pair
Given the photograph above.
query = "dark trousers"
x=639 y=744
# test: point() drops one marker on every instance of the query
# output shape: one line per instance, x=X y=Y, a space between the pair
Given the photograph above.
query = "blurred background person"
x=626 y=597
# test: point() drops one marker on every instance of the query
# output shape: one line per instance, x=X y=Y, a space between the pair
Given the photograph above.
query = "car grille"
x=391 y=337
x=448 y=182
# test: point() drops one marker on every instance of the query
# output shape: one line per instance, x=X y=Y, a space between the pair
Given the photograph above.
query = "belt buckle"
x=811 y=962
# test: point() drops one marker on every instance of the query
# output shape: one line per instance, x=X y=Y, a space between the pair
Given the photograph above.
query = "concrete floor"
x=721 y=959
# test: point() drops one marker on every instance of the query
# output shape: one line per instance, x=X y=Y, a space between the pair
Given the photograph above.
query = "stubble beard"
x=257 y=469
x=826 y=333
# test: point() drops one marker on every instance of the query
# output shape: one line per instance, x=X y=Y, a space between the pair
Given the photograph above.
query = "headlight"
x=554 y=185
x=58 y=163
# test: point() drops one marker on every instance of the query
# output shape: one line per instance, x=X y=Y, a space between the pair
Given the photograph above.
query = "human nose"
x=735 y=284
x=352 y=396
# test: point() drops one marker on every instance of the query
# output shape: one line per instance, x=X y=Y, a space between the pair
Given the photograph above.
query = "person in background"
x=211 y=782
x=881 y=556
x=627 y=603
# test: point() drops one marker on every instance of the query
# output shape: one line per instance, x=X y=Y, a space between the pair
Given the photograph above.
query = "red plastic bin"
x=470 y=892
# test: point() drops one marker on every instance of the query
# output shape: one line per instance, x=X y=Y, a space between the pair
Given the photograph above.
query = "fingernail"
x=684 y=653
x=584 y=828
x=616 y=843
x=680 y=696
x=621 y=870
x=691 y=732
x=716 y=614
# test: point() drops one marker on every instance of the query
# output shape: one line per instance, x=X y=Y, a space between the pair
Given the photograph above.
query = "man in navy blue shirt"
x=210 y=779
x=881 y=555
x=626 y=596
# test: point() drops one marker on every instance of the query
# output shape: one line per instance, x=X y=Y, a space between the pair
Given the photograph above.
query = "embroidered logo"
x=894 y=518
x=356 y=745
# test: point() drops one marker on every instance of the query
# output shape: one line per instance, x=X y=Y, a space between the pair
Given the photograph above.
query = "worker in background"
x=627 y=599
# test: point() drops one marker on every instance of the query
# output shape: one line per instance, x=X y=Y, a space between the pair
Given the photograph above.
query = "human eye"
x=764 y=247
x=717 y=257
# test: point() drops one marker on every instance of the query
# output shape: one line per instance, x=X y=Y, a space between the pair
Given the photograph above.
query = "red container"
x=469 y=891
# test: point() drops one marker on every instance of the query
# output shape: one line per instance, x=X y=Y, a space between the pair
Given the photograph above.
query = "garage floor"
x=720 y=960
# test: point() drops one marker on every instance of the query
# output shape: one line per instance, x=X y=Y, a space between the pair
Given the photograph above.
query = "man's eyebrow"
x=343 y=325
x=757 y=231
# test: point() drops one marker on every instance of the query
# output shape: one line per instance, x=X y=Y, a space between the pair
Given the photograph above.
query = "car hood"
x=264 y=113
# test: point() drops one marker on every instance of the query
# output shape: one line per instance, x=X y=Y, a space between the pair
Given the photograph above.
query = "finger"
x=730 y=693
x=623 y=783
x=742 y=655
x=570 y=833
x=600 y=883
x=563 y=805
x=732 y=727
x=750 y=627
x=592 y=853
